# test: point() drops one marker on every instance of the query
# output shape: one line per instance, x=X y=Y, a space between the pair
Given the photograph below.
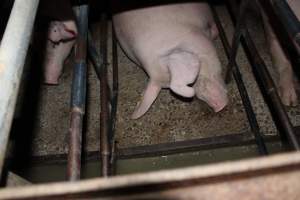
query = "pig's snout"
x=212 y=91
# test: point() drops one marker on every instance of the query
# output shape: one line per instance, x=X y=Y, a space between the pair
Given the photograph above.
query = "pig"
x=61 y=37
x=287 y=82
x=173 y=43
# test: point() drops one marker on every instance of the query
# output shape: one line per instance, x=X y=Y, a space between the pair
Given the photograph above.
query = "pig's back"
x=151 y=32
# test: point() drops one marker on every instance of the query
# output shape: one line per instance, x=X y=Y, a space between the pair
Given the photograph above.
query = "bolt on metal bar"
x=78 y=95
x=266 y=85
x=241 y=87
x=13 y=50
x=104 y=114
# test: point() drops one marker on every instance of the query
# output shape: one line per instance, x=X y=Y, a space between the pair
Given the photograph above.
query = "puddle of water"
x=57 y=172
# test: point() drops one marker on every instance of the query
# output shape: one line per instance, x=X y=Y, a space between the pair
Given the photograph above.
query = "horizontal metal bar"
x=232 y=140
x=226 y=180
x=13 y=50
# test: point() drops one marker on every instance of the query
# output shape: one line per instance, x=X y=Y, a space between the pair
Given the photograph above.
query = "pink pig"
x=174 y=45
x=286 y=82
x=61 y=36
x=61 y=39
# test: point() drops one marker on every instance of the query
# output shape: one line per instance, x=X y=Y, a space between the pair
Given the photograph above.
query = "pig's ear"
x=67 y=33
x=150 y=94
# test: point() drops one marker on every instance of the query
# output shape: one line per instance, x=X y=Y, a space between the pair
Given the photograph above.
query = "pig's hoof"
x=288 y=96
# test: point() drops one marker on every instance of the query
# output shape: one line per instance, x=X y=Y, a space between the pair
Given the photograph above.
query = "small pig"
x=61 y=39
x=287 y=81
x=174 y=45
x=61 y=36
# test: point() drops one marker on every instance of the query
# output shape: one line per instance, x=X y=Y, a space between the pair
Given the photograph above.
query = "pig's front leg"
x=286 y=82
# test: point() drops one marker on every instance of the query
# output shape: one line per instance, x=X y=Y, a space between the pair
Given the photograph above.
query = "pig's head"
x=212 y=90
x=58 y=32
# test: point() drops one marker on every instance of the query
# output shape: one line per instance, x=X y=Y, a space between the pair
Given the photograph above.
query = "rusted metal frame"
x=114 y=102
x=13 y=50
x=78 y=96
x=105 y=149
x=287 y=28
x=240 y=26
x=266 y=85
x=241 y=86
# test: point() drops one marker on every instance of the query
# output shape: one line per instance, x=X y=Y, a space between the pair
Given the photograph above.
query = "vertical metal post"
x=104 y=114
x=13 y=50
x=78 y=95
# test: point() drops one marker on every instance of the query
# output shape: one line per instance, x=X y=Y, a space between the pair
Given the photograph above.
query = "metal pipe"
x=13 y=50
x=236 y=38
x=241 y=87
x=78 y=96
x=104 y=114
x=267 y=86
x=114 y=100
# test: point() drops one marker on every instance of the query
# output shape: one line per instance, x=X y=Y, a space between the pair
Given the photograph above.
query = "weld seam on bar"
x=265 y=81
x=242 y=89
x=13 y=50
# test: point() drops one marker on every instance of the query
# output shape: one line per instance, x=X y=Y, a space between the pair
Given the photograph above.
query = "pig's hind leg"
x=286 y=82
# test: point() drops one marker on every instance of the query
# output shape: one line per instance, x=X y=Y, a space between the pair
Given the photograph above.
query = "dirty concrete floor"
x=169 y=119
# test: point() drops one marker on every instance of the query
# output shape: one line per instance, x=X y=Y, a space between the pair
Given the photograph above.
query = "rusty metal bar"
x=13 y=50
x=104 y=114
x=78 y=96
x=266 y=85
x=240 y=84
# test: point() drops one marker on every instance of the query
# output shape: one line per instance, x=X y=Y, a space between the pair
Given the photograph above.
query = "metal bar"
x=13 y=50
x=114 y=99
x=289 y=21
x=78 y=96
x=232 y=140
x=241 y=87
x=236 y=38
x=94 y=56
x=104 y=114
x=255 y=176
x=286 y=26
x=267 y=86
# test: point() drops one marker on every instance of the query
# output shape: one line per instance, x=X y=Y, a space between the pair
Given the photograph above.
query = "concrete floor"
x=169 y=119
